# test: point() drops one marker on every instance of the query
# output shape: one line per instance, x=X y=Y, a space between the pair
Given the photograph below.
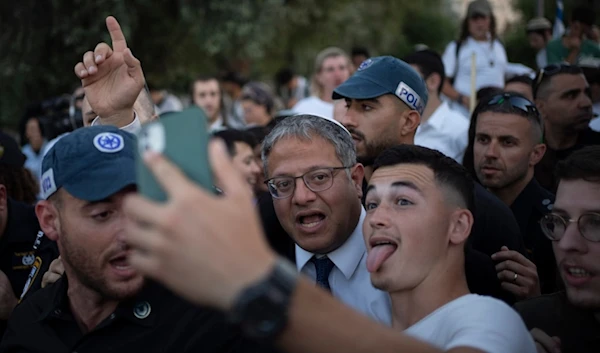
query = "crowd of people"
x=381 y=205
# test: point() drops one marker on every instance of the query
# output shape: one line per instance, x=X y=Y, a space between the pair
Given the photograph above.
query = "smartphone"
x=182 y=137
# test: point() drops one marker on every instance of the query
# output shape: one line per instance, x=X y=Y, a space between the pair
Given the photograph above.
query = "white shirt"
x=314 y=106
x=595 y=123
x=477 y=322
x=490 y=62
x=446 y=131
x=349 y=280
x=541 y=59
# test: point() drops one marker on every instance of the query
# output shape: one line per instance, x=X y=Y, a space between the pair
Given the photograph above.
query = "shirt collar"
x=347 y=257
x=437 y=119
x=137 y=310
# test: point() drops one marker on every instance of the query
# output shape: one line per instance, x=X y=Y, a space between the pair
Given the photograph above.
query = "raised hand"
x=517 y=274
x=111 y=77
x=54 y=273
x=207 y=248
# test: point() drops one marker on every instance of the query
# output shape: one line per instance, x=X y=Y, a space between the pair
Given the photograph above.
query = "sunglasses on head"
x=521 y=103
x=552 y=70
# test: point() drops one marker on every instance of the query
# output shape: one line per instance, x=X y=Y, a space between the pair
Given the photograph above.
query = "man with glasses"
x=507 y=145
x=315 y=182
x=562 y=96
x=569 y=320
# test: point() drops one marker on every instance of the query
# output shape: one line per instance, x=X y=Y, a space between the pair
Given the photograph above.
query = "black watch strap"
x=261 y=310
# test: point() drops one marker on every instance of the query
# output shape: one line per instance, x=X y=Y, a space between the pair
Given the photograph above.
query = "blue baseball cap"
x=91 y=163
x=382 y=75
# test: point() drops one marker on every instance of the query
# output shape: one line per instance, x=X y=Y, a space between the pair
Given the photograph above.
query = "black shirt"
x=544 y=170
x=494 y=225
x=19 y=258
x=154 y=321
x=578 y=329
x=529 y=207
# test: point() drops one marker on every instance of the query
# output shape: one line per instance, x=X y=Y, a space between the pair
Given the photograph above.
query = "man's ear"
x=460 y=226
x=47 y=215
x=410 y=122
x=433 y=82
x=3 y=198
x=537 y=154
x=358 y=173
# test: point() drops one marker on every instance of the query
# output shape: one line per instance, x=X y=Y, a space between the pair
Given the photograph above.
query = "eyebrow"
x=571 y=91
x=400 y=184
x=311 y=169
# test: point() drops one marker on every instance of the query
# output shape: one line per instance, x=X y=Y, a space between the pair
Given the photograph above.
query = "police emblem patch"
x=35 y=269
x=365 y=64
x=109 y=142
x=28 y=260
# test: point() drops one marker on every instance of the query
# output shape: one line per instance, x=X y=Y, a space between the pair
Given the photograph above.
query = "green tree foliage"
x=41 y=41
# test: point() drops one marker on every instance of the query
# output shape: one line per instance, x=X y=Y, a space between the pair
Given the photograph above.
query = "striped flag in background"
x=559 y=21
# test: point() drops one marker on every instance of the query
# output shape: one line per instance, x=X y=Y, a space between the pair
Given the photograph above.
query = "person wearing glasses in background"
x=316 y=185
x=569 y=321
x=562 y=96
x=507 y=145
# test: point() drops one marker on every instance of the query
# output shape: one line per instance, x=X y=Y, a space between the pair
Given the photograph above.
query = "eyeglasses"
x=316 y=180
x=552 y=70
x=554 y=226
x=521 y=103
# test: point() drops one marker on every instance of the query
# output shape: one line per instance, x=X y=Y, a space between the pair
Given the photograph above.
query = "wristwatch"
x=261 y=310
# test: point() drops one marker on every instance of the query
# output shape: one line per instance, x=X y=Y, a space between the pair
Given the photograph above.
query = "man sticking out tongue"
x=419 y=216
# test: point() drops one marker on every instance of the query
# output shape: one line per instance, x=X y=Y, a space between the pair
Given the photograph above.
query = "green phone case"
x=182 y=137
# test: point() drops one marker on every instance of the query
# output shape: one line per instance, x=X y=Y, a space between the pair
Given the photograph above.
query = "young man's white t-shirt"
x=314 y=106
x=475 y=321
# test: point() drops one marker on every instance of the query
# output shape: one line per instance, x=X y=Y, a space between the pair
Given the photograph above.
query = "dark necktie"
x=324 y=267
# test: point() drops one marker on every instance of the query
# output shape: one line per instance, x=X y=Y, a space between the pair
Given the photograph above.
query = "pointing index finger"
x=119 y=43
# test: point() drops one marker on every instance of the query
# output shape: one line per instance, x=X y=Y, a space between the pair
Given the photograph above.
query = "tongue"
x=312 y=219
x=378 y=255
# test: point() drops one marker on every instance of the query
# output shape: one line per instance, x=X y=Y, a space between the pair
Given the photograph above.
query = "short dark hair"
x=356 y=51
x=505 y=107
x=234 y=77
x=583 y=14
x=428 y=62
x=447 y=173
x=526 y=79
x=20 y=184
x=582 y=164
x=231 y=136
x=486 y=92
x=284 y=76
x=544 y=77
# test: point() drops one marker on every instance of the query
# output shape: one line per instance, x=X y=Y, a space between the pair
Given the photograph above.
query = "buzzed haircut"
x=231 y=136
x=525 y=79
x=505 y=107
x=448 y=174
x=582 y=164
x=542 y=83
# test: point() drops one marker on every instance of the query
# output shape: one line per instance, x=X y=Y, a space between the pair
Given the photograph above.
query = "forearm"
x=318 y=323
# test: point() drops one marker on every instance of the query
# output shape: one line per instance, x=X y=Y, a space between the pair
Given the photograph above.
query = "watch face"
x=263 y=317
